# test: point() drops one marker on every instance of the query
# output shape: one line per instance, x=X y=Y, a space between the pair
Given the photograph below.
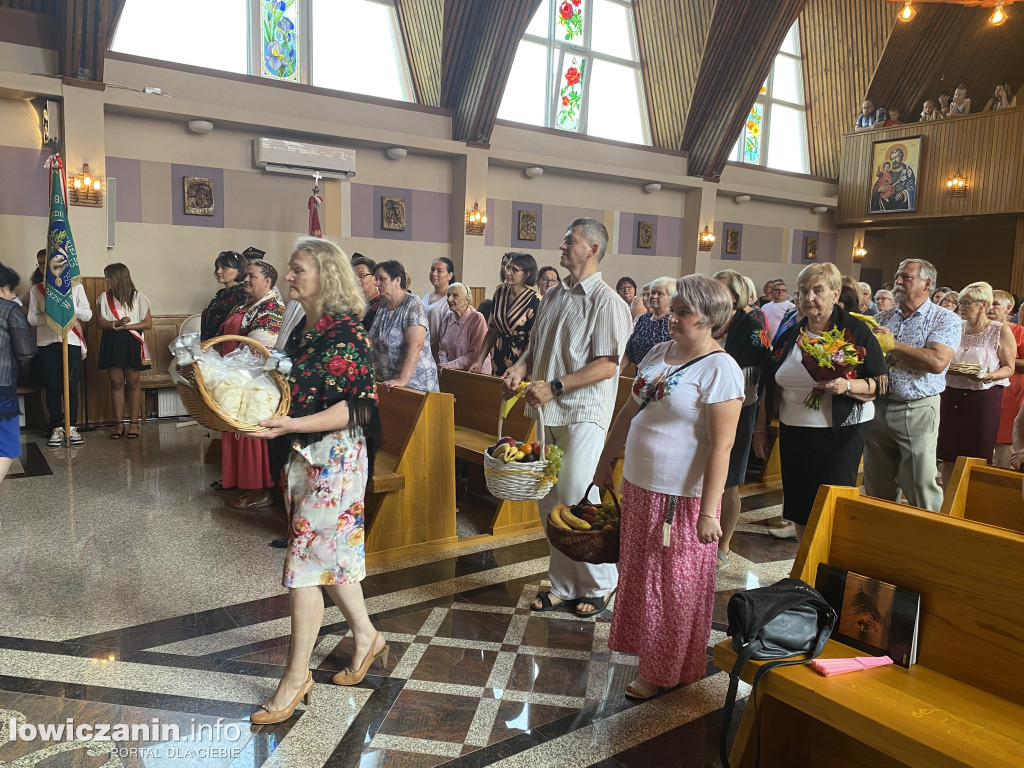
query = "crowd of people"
x=944 y=105
x=714 y=365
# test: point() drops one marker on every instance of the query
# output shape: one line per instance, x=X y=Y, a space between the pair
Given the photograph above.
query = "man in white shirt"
x=50 y=363
x=777 y=307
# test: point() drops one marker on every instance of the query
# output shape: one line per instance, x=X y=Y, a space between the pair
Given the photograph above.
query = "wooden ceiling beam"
x=480 y=42
x=744 y=37
x=420 y=22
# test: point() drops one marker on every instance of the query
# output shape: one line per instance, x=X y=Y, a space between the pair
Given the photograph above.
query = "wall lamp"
x=998 y=15
x=705 y=239
x=859 y=253
x=85 y=189
x=908 y=12
x=534 y=171
x=956 y=186
x=652 y=187
x=476 y=221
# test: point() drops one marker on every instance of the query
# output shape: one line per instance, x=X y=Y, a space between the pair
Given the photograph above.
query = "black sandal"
x=119 y=435
x=597 y=603
x=546 y=604
x=134 y=435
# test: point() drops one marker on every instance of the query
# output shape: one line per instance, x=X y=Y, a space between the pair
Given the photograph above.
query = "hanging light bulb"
x=908 y=11
x=998 y=15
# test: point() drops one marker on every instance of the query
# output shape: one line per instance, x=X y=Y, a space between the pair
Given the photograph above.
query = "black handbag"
x=783 y=620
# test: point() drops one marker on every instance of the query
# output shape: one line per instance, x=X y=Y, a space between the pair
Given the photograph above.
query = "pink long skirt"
x=666 y=594
x=245 y=463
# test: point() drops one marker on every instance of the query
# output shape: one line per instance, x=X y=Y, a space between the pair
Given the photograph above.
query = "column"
x=846 y=241
x=84 y=143
x=698 y=212
x=469 y=186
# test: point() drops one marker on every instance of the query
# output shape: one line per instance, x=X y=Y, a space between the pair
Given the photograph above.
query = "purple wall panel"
x=379 y=193
x=826 y=247
x=626 y=234
x=668 y=236
x=30 y=196
x=128 y=173
x=726 y=226
x=362 y=210
x=431 y=217
x=525 y=244
x=178 y=215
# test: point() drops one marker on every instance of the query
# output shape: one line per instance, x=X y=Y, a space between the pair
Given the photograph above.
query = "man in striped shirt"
x=573 y=356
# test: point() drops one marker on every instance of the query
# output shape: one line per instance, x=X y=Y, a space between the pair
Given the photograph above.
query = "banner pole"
x=67 y=386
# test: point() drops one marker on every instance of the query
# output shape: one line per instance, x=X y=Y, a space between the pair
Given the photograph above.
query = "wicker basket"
x=516 y=481
x=199 y=402
x=594 y=547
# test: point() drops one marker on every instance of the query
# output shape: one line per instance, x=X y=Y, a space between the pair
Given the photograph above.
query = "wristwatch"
x=556 y=385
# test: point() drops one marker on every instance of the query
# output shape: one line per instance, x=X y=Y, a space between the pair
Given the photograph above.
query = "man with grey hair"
x=883 y=300
x=580 y=333
x=900 y=449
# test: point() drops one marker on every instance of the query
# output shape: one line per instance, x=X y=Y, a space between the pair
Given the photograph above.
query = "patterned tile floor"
x=474 y=678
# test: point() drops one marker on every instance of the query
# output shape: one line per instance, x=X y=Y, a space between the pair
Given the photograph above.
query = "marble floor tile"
x=559 y=633
x=474 y=625
x=515 y=717
x=460 y=666
x=539 y=674
x=434 y=716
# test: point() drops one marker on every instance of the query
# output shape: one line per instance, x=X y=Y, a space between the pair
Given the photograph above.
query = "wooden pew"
x=962 y=704
x=411 y=499
x=985 y=494
x=477 y=398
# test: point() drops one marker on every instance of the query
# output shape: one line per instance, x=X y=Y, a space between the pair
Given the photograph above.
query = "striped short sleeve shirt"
x=574 y=326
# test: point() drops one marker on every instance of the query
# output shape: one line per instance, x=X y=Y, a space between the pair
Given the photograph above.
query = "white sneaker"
x=74 y=438
x=57 y=438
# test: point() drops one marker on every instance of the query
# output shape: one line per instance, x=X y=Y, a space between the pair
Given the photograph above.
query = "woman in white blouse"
x=442 y=272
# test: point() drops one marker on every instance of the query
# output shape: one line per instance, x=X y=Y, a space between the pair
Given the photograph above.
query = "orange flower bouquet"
x=827 y=357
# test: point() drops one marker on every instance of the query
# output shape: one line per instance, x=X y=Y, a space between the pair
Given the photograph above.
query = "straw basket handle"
x=177 y=378
x=540 y=427
x=586 y=502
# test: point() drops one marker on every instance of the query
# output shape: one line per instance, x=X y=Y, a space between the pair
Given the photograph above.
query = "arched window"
x=577 y=69
x=776 y=131
x=290 y=40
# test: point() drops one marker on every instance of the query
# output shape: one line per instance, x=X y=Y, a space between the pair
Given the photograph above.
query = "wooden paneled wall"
x=943 y=46
x=842 y=42
x=671 y=37
x=986 y=148
x=741 y=45
x=48 y=7
x=87 y=27
x=480 y=42
x=420 y=23
x=1017 y=275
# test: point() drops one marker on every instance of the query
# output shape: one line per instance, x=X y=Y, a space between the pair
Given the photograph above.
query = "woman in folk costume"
x=229 y=271
x=123 y=317
x=245 y=462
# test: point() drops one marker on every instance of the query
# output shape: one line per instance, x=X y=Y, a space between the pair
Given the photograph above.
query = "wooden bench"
x=411 y=499
x=962 y=704
x=477 y=398
x=985 y=494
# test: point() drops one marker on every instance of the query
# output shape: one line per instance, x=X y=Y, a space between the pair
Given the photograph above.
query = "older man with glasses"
x=901 y=447
x=363 y=269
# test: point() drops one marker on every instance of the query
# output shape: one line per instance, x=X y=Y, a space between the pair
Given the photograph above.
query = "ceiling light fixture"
x=200 y=126
x=534 y=171
x=819 y=209
x=740 y=199
x=396 y=153
x=998 y=15
x=652 y=187
x=908 y=12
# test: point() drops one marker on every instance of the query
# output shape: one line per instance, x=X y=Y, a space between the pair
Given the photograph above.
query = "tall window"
x=291 y=40
x=577 y=69
x=776 y=131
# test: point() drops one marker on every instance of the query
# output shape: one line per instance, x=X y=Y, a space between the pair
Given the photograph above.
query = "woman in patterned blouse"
x=515 y=309
x=652 y=328
x=332 y=420
x=228 y=269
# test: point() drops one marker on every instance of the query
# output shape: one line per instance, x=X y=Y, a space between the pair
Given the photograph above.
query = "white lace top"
x=979 y=349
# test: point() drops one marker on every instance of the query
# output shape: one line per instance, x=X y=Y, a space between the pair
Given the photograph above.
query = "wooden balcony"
x=986 y=148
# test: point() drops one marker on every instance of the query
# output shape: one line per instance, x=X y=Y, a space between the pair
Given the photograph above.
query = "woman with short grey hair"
x=677 y=430
x=652 y=328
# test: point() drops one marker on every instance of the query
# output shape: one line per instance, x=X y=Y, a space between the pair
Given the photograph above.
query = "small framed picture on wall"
x=732 y=241
x=392 y=213
x=527 y=225
x=198 y=196
x=645 y=234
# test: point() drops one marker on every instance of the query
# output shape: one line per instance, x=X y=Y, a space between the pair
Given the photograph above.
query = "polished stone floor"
x=132 y=594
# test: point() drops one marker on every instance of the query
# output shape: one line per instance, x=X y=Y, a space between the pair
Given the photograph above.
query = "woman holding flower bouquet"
x=824 y=373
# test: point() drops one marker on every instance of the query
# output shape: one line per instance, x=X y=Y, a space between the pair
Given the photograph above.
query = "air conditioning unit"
x=299 y=158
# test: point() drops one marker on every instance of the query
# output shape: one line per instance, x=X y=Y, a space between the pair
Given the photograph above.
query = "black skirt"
x=119 y=349
x=815 y=456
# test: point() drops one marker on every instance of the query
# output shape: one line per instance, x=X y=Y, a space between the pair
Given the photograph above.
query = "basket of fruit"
x=585 y=532
x=521 y=471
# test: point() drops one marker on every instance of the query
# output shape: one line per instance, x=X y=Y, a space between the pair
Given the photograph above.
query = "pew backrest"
x=985 y=494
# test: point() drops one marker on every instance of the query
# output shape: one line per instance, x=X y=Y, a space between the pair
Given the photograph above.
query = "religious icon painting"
x=895 y=168
x=392 y=213
x=645 y=234
x=811 y=248
x=198 y=196
x=527 y=225
x=732 y=241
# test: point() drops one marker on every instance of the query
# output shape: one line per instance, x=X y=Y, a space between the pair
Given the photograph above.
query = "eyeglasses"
x=512 y=268
x=968 y=302
x=363 y=275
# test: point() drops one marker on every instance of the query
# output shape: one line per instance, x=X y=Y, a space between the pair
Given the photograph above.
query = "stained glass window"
x=569 y=20
x=775 y=134
x=577 y=69
x=280 y=39
x=571 y=93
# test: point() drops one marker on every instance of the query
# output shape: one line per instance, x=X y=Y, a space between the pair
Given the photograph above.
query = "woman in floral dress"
x=332 y=421
x=678 y=430
x=515 y=309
